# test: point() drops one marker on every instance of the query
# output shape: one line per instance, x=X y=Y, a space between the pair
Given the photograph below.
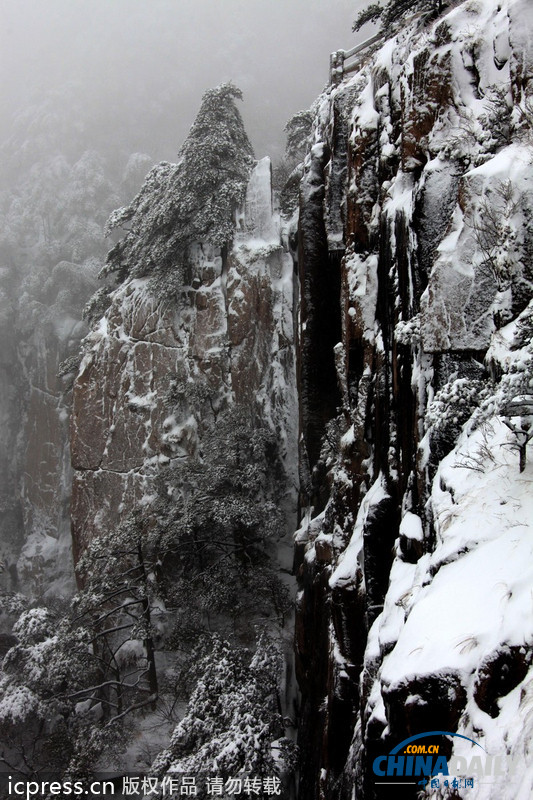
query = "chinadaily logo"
x=421 y=760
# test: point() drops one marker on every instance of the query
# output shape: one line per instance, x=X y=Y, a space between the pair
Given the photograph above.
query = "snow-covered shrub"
x=69 y=368
x=510 y=393
x=17 y=703
x=468 y=141
x=475 y=137
x=40 y=684
x=48 y=654
x=497 y=117
x=331 y=441
x=97 y=305
x=408 y=333
x=34 y=625
x=496 y=234
x=13 y=603
x=518 y=381
x=451 y=407
x=523 y=119
x=510 y=361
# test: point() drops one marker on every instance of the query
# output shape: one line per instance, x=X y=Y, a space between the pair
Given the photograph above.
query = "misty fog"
x=140 y=66
x=93 y=93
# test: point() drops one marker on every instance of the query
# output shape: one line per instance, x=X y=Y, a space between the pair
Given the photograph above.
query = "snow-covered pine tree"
x=116 y=606
x=70 y=679
x=371 y=13
x=217 y=531
x=191 y=201
x=42 y=679
x=232 y=726
x=288 y=172
x=394 y=11
x=298 y=130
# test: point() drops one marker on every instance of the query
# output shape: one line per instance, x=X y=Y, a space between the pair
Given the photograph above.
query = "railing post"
x=337 y=60
x=336 y=67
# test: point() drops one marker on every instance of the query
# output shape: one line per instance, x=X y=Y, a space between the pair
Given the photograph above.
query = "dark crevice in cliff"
x=336 y=171
x=312 y=674
x=321 y=319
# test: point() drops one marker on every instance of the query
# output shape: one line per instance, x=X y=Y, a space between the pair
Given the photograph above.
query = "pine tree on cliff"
x=191 y=201
x=217 y=531
x=394 y=11
x=43 y=678
x=233 y=725
x=117 y=605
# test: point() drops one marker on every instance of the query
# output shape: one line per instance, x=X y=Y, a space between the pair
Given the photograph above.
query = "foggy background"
x=92 y=93
x=136 y=69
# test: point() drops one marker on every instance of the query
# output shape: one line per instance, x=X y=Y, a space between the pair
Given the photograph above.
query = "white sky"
x=170 y=51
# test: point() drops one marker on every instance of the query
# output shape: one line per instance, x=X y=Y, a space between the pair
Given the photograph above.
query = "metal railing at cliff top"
x=338 y=67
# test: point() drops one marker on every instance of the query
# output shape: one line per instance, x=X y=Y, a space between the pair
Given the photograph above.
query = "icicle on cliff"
x=414 y=552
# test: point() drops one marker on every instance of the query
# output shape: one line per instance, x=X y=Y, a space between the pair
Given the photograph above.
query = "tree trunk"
x=523 y=456
x=148 y=642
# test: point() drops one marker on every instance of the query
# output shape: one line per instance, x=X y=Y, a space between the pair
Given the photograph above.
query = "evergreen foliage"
x=58 y=212
x=71 y=679
x=450 y=409
x=40 y=683
x=288 y=173
x=116 y=606
x=199 y=559
x=371 y=13
x=217 y=529
x=97 y=305
x=232 y=725
x=497 y=235
x=394 y=11
x=298 y=130
x=187 y=202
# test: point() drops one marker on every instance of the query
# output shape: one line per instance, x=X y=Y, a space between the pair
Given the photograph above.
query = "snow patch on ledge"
x=476 y=586
x=347 y=568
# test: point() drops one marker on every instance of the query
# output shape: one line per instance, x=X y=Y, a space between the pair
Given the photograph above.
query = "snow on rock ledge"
x=414 y=561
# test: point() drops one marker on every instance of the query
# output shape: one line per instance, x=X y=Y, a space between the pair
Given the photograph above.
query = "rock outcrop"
x=230 y=334
x=414 y=333
x=395 y=629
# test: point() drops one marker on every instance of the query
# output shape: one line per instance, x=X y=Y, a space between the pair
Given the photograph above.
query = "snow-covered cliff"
x=406 y=393
x=229 y=336
x=414 y=556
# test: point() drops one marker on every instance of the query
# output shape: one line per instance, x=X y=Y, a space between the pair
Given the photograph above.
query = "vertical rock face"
x=57 y=194
x=230 y=335
x=47 y=475
x=415 y=265
x=41 y=327
x=415 y=331
x=10 y=414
